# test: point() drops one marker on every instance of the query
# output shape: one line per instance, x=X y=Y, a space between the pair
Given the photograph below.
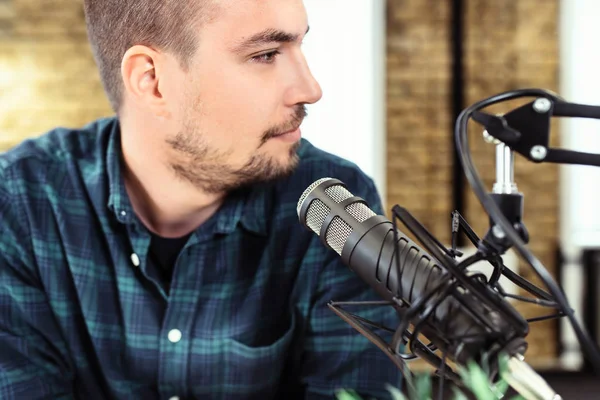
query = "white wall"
x=580 y=83
x=345 y=49
x=579 y=185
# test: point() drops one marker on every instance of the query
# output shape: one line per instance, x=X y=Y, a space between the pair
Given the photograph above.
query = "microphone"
x=463 y=317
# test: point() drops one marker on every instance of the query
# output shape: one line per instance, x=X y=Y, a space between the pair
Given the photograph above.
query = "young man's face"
x=242 y=100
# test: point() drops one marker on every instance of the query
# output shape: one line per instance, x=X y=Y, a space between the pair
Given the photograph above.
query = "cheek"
x=243 y=110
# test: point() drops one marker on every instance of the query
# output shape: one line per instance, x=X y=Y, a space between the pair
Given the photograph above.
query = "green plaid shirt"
x=83 y=315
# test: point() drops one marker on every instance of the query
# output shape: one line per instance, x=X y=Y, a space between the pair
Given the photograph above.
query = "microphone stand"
x=524 y=130
x=507 y=198
x=519 y=375
x=505 y=209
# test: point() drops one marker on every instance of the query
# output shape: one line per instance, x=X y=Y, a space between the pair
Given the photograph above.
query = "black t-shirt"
x=163 y=254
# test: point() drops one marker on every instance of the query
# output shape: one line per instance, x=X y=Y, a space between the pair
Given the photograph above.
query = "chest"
x=232 y=312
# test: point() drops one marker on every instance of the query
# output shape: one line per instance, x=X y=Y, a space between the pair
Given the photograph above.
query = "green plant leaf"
x=347 y=395
x=396 y=394
x=502 y=363
x=502 y=385
x=500 y=388
x=478 y=382
x=423 y=386
x=485 y=364
x=458 y=395
x=465 y=376
x=410 y=385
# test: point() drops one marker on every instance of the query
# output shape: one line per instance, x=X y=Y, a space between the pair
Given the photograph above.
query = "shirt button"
x=174 y=335
x=174 y=398
x=135 y=260
x=123 y=213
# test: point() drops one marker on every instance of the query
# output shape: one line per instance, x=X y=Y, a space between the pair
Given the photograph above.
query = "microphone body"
x=459 y=320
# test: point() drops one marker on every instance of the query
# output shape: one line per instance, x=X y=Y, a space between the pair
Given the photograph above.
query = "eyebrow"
x=266 y=37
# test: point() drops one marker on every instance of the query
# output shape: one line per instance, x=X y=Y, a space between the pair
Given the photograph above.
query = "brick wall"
x=48 y=77
x=508 y=45
x=419 y=151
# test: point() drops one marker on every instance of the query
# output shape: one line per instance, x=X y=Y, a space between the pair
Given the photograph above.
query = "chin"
x=285 y=167
x=290 y=159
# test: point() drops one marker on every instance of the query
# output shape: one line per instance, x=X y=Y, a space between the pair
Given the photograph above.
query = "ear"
x=140 y=71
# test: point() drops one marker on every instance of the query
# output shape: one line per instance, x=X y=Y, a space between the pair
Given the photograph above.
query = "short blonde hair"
x=114 y=26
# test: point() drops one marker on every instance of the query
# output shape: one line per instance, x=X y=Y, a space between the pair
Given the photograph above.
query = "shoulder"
x=49 y=157
x=39 y=175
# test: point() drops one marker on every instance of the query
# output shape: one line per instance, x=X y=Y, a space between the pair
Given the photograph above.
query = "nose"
x=306 y=89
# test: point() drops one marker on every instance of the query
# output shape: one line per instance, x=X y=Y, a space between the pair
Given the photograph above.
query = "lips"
x=287 y=132
x=288 y=137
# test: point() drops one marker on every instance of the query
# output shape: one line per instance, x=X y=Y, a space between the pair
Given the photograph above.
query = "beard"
x=205 y=167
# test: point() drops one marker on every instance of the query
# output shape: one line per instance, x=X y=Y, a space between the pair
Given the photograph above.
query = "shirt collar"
x=118 y=199
x=257 y=208
x=247 y=207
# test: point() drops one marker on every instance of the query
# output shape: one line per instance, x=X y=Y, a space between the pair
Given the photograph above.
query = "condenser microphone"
x=366 y=243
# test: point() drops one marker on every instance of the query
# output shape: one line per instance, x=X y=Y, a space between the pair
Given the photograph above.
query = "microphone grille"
x=339 y=230
x=338 y=193
x=307 y=192
x=360 y=212
x=337 y=234
x=316 y=214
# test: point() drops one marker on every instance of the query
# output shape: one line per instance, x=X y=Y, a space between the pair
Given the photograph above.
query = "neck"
x=166 y=205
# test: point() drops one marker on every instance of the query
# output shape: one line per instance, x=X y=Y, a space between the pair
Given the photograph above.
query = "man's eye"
x=266 y=58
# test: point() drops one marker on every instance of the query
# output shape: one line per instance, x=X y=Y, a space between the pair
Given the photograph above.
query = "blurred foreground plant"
x=474 y=378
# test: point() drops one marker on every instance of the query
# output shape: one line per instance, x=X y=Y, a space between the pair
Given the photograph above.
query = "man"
x=158 y=255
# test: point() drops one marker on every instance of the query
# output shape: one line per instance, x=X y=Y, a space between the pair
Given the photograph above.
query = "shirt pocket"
x=260 y=366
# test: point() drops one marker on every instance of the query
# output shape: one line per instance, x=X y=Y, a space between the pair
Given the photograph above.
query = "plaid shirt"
x=83 y=315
